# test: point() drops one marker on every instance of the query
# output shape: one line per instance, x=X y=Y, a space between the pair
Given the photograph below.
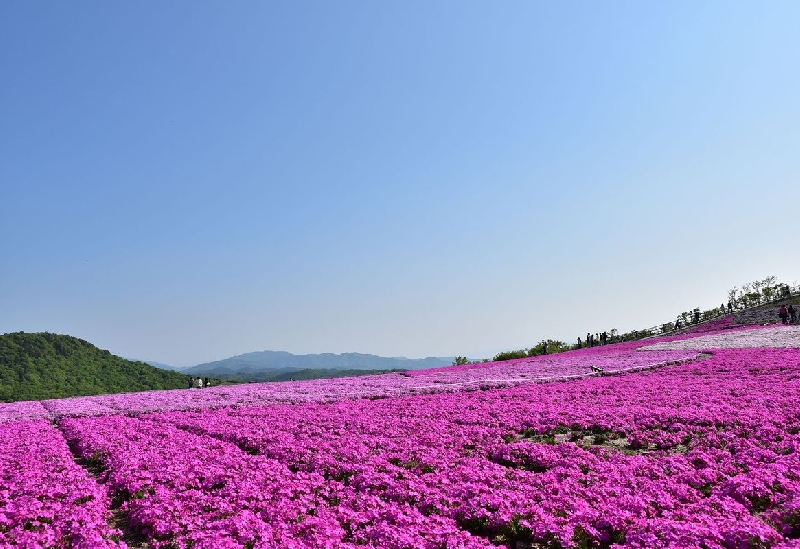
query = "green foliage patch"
x=43 y=365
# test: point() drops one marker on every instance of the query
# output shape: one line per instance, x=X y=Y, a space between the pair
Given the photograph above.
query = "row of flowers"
x=181 y=489
x=46 y=499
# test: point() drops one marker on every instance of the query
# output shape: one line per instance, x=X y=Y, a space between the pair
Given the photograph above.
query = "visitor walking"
x=191 y=382
x=792 y=314
x=784 y=314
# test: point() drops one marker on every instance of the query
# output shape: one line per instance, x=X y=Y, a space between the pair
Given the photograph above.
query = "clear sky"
x=184 y=181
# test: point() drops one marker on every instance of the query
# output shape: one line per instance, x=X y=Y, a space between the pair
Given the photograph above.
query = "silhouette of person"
x=783 y=312
x=792 y=314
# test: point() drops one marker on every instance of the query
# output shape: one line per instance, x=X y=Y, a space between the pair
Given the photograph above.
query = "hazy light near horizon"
x=413 y=179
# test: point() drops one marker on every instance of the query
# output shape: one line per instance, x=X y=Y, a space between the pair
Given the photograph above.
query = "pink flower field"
x=689 y=441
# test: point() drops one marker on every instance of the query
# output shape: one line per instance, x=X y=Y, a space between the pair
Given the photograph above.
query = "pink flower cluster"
x=722 y=323
x=46 y=499
x=31 y=409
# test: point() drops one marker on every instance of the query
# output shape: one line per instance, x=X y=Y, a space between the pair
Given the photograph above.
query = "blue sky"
x=186 y=181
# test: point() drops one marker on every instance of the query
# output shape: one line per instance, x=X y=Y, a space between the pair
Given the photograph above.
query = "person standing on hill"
x=792 y=314
x=191 y=382
x=784 y=314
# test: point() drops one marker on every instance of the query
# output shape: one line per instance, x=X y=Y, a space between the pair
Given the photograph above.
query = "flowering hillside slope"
x=674 y=450
x=773 y=337
x=565 y=366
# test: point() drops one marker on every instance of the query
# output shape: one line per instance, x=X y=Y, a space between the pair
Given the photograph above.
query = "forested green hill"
x=43 y=365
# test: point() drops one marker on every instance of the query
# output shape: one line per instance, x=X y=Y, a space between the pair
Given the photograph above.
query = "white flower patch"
x=780 y=337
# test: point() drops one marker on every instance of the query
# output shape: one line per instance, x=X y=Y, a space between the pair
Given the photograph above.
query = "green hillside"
x=43 y=365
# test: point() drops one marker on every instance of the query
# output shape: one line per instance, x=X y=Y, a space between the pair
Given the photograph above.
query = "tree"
x=757 y=285
x=460 y=361
x=511 y=355
x=732 y=293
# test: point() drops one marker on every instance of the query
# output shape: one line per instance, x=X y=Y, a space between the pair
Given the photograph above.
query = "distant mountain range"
x=162 y=366
x=271 y=364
